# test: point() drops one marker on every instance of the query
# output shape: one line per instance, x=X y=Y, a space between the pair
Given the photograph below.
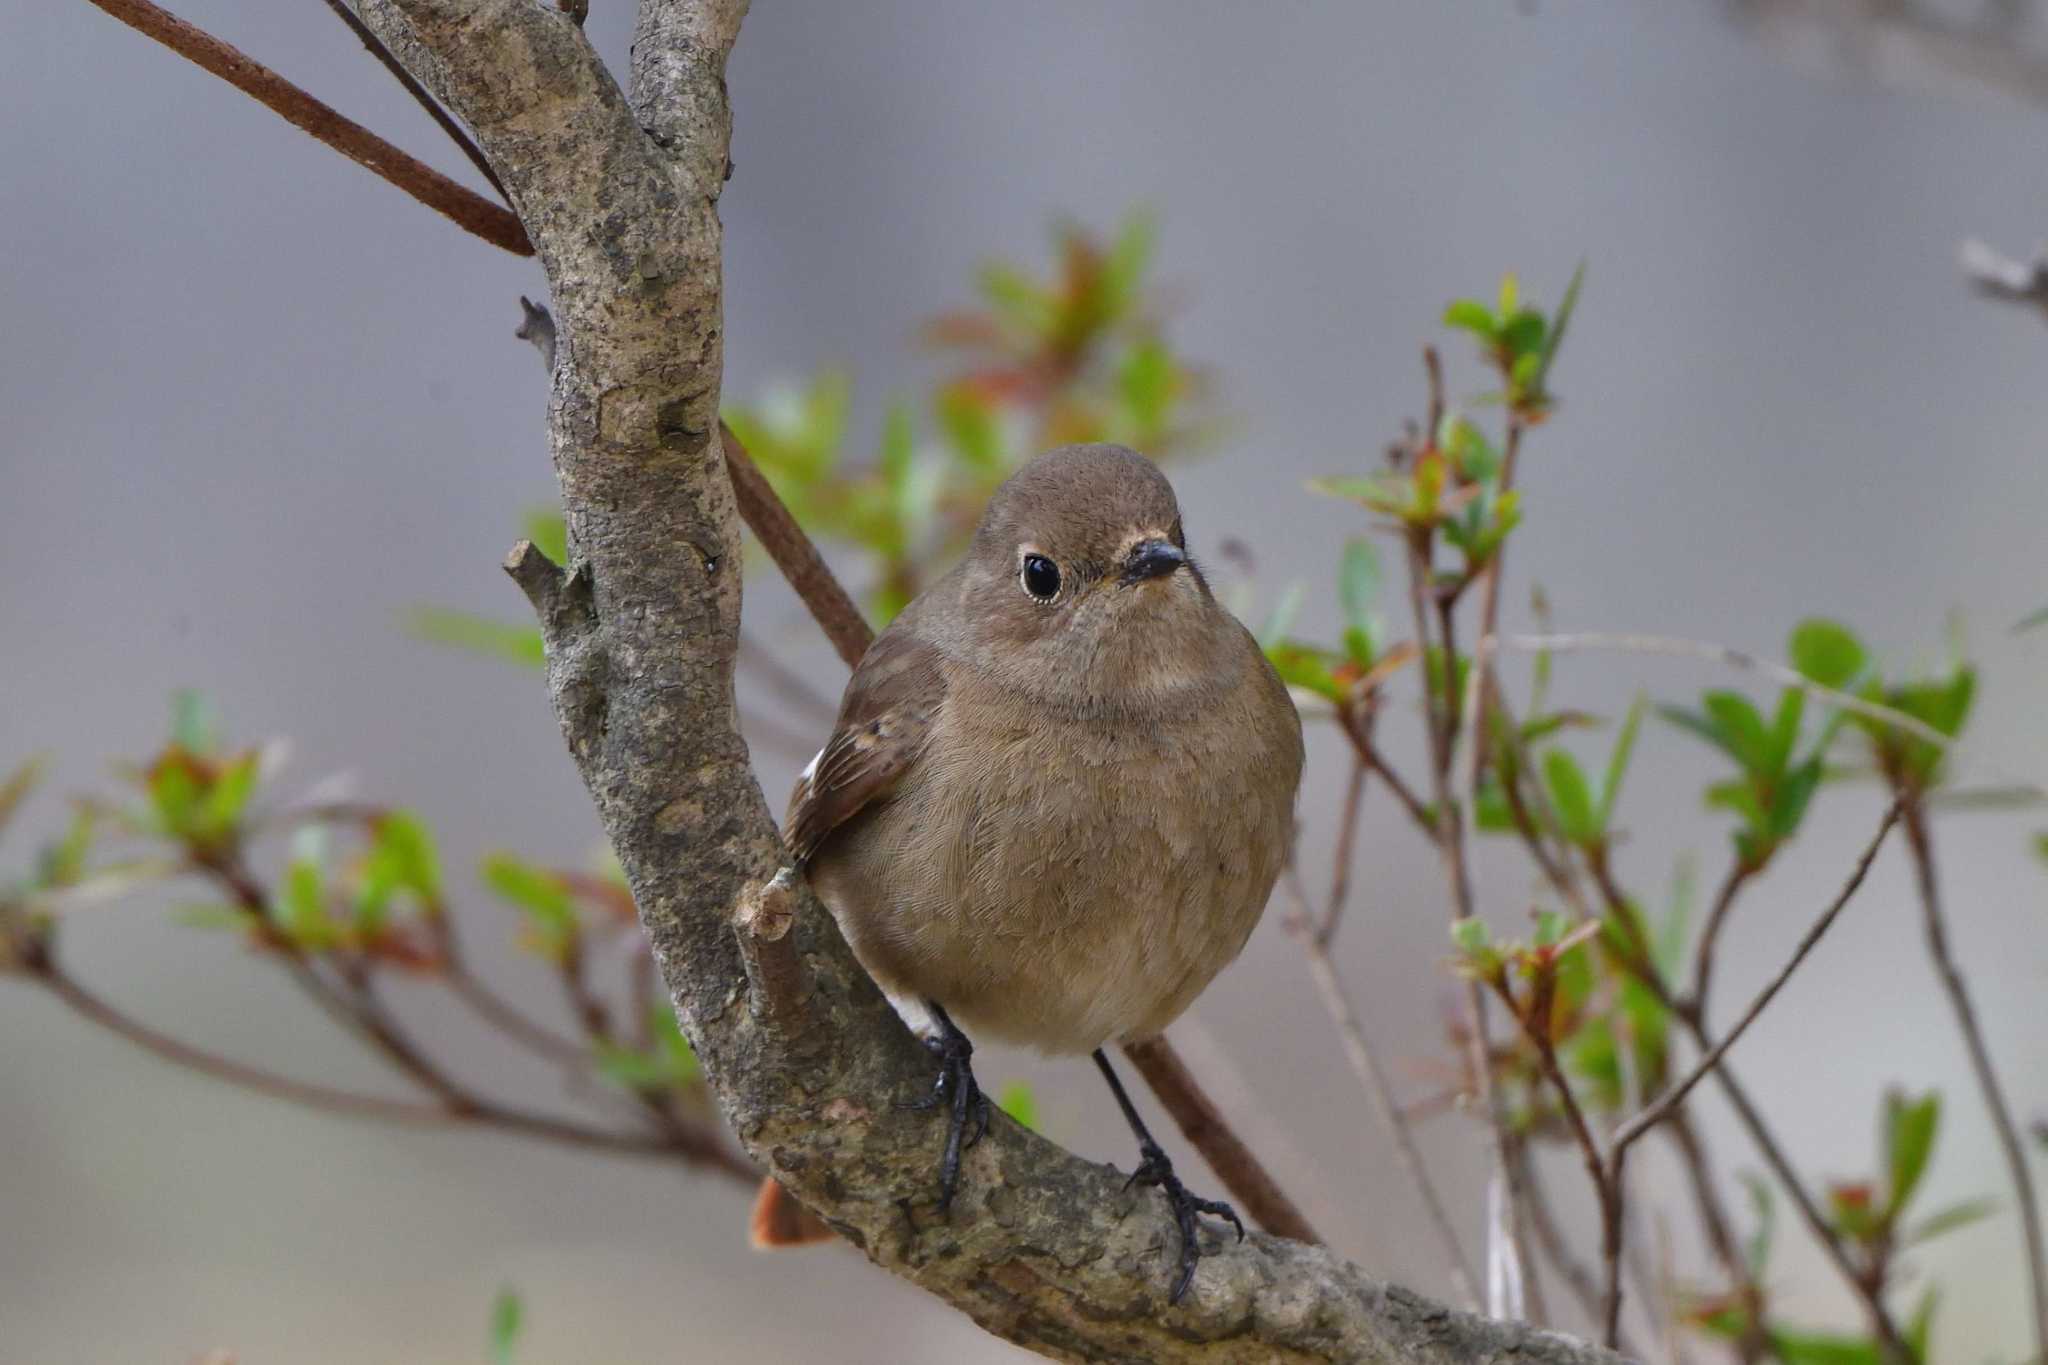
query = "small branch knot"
x=776 y=981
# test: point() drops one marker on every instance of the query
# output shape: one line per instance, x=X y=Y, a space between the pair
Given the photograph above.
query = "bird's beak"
x=1150 y=559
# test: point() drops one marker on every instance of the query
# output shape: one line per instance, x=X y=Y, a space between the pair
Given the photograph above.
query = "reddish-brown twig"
x=464 y=207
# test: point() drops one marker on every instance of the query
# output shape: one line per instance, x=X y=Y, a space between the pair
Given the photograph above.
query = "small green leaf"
x=541 y=896
x=222 y=806
x=213 y=916
x=1358 y=586
x=1948 y=1220
x=1281 y=619
x=1828 y=653
x=192 y=722
x=1470 y=935
x=1565 y=308
x=1020 y=1104
x=1920 y=1327
x=1472 y=316
x=1741 y=729
x=1617 y=765
x=1821 y=1348
x=1510 y=295
x=16 y=788
x=1147 y=379
x=478 y=634
x=1909 y=1131
x=1757 y=1252
x=1569 y=796
x=508 y=1315
x=549 y=532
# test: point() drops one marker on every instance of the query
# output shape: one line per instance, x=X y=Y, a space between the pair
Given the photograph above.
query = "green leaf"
x=549 y=532
x=1617 y=765
x=1019 y=301
x=213 y=916
x=1948 y=1220
x=1472 y=316
x=1820 y=1348
x=971 y=429
x=1569 y=796
x=1281 y=619
x=1130 y=256
x=221 y=808
x=1757 y=1251
x=1146 y=380
x=2032 y=620
x=1510 y=295
x=541 y=896
x=1470 y=935
x=16 y=788
x=401 y=858
x=1020 y=1104
x=508 y=1314
x=192 y=722
x=1920 y=1327
x=1828 y=653
x=300 y=914
x=478 y=634
x=1741 y=728
x=1909 y=1131
x=1523 y=336
x=1784 y=732
x=1565 y=308
x=1358 y=586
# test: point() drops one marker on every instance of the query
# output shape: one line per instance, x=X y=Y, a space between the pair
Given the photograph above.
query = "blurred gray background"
x=257 y=403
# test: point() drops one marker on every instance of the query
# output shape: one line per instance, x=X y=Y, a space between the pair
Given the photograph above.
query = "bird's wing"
x=884 y=722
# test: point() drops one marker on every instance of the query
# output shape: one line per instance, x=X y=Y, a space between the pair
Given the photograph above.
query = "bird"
x=1058 y=793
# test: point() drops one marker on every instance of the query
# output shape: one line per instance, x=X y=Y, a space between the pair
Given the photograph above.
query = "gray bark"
x=813 y=1070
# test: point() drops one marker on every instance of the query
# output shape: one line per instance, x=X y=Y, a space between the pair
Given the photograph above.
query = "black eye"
x=1041 y=577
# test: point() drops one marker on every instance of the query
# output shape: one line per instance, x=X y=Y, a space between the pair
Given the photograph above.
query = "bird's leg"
x=1156 y=1168
x=956 y=1088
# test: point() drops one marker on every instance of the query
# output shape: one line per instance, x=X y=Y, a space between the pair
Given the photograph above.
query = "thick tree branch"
x=1041 y=1248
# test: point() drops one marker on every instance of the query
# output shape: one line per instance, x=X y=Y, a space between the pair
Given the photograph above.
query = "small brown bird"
x=1059 y=791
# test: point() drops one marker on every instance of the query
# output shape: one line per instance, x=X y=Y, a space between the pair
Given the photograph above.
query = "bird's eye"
x=1041 y=577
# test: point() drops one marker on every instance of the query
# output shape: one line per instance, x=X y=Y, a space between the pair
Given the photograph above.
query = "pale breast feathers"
x=884 y=723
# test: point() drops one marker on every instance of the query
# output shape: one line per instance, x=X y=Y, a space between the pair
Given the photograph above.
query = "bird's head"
x=1079 y=587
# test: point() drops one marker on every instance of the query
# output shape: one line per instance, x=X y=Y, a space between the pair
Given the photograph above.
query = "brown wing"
x=884 y=722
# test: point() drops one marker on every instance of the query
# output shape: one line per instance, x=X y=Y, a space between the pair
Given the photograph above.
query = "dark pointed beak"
x=1150 y=559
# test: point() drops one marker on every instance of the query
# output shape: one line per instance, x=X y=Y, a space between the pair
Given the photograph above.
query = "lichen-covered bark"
x=813 y=1071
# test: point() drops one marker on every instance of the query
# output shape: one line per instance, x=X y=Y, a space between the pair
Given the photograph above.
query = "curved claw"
x=1156 y=1169
x=968 y=1121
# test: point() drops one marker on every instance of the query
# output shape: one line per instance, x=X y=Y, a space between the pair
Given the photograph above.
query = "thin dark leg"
x=967 y=1119
x=1155 y=1168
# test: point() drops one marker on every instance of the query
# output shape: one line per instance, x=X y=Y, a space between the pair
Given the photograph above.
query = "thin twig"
x=1739 y=873
x=1340 y=861
x=1506 y=1251
x=1372 y=1078
x=1920 y=842
x=1675 y=1096
x=441 y=117
x=466 y=208
x=1604 y=1174
x=98 y=1010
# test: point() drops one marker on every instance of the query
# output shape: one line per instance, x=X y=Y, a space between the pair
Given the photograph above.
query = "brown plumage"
x=1055 y=815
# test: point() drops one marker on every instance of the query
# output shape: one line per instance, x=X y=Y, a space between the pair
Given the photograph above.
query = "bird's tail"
x=779 y=1221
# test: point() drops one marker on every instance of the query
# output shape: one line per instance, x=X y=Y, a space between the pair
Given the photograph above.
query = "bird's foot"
x=1155 y=1168
x=960 y=1094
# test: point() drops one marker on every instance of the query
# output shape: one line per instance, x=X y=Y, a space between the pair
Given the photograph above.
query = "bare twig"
x=1920 y=842
x=1604 y=1174
x=464 y=207
x=1675 y=1096
x=1505 y=1249
x=441 y=117
x=98 y=1010
x=1739 y=873
x=1372 y=1078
